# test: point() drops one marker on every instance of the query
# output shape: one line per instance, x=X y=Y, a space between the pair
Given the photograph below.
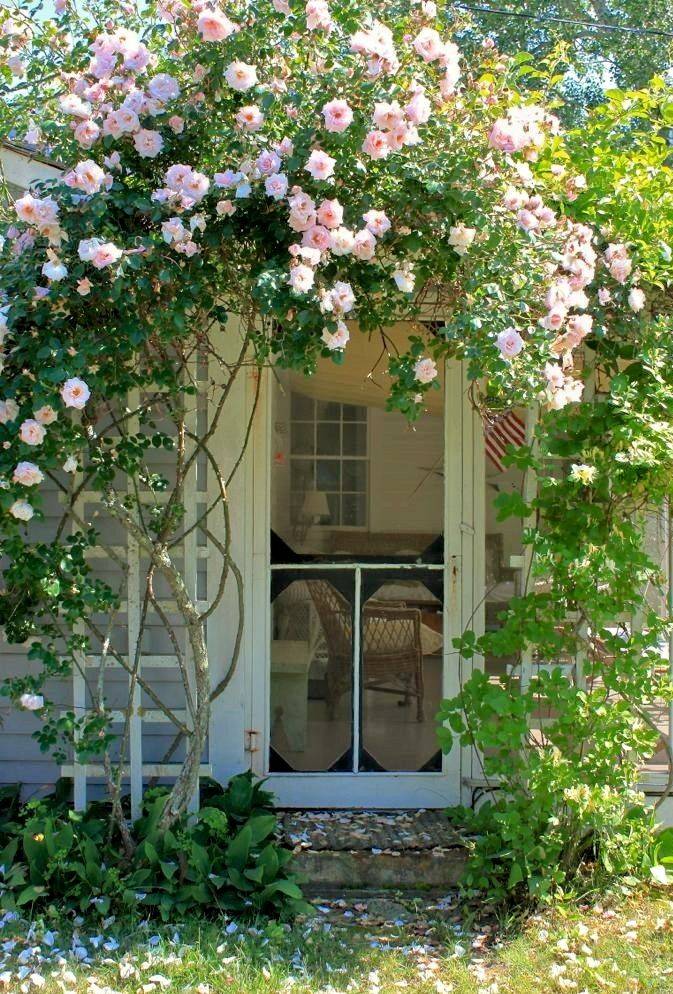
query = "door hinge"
x=251 y=741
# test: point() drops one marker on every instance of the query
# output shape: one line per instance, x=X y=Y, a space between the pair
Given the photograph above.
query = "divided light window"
x=329 y=463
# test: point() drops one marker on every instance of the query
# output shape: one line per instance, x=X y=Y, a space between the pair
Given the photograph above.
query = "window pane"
x=354 y=475
x=401 y=676
x=334 y=504
x=354 y=510
x=329 y=439
x=311 y=674
x=329 y=411
x=302 y=474
x=355 y=439
x=302 y=439
x=328 y=474
x=352 y=412
x=302 y=408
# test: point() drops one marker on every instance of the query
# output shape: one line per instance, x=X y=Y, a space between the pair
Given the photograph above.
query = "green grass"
x=624 y=948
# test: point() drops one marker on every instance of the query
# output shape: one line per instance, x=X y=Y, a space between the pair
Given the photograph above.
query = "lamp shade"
x=315 y=505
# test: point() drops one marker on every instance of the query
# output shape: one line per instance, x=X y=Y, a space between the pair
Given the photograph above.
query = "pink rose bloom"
x=284 y=147
x=214 y=25
x=387 y=115
x=604 y=296
x=337 y=115
x=250 y=118
x=164 y=87
x=428 y=45
x=554 y=376
x=401 y=136
x=377 y=222
x=22 y=511
x=281 y=6
x=317 y=237
x=514 y=199
x=620 y=268
x=553 y=320
x=73 y=105
x=32 y=210
x=461 y=237
x=225 y=208
x=240 y=76
x=86 y=176
x=341 y=297
x=99 y=254
x=148 y=143
x=419 y=108
x=337 y=339
x=364 y=245
x=275 y=185
x=527 y=220
x=636 y=299
x=318 y=16
x=449 y=81
x=425 y=370
x=46 y=414
x=176 y=124
x=320 y=165
x=330 y=213
x=75 y=393
x=86 y=133
x=579 y=325
x=301 y=278
x=32 y=432
x=507 y=137
x=341 y=241
x=376 y=145
x=84 y=287
x=558 y=293
x=268 y=162
x=27 y=474
x=510 y=343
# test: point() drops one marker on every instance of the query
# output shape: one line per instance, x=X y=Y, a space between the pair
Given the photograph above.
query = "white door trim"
x=463 y=589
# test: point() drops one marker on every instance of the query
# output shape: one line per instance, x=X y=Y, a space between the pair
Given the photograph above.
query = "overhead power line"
x=596 y=25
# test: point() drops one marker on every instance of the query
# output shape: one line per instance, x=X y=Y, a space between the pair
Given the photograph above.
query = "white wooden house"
x=366 y=547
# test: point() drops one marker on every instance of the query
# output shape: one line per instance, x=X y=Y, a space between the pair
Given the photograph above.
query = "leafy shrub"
x=225 y=858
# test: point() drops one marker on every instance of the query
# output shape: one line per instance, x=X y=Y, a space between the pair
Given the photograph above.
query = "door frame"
x=464 y=584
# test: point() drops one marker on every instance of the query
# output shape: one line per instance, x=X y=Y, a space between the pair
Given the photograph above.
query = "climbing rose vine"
x=254 y=185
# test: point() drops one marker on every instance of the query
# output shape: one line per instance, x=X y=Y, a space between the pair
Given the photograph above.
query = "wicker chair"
x=391 y=646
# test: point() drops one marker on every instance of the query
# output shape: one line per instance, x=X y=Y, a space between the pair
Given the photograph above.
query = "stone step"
x=374 y=850
x=333 y=871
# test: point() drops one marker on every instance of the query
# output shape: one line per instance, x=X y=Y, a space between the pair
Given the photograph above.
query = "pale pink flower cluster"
x=404 y=277
x=88 y=177
x=9 y=411
x=429 y=45
x=617 y=259
x=336 y=340
x=396 y=126
x=17 y=36
x=22 y=511
x=184 y=187
x=461 y=238
x=40 y=213
x=561 y=388
x=524 y=128
x=318 y=17
x=378 y=47
x=99 y=253
x=180 y=237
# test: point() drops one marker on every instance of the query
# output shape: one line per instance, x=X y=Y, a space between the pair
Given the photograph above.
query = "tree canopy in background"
x=598 y=57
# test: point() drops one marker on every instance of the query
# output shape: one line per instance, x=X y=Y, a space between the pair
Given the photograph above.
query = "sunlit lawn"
x=626 y=947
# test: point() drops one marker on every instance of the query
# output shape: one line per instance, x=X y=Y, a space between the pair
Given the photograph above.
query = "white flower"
x=75 y=393
x=31 y=702
x=425 y=370
x=54 y=271
x=461 y=237
x=70 y=465
x=21 y=510
x=337 y=339
x=583 y=473
x=636 y=299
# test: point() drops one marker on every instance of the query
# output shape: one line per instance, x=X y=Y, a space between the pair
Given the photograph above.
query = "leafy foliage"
x=223 y=859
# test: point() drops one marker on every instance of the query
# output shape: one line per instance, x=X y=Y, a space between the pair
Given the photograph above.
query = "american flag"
x=501 y=430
